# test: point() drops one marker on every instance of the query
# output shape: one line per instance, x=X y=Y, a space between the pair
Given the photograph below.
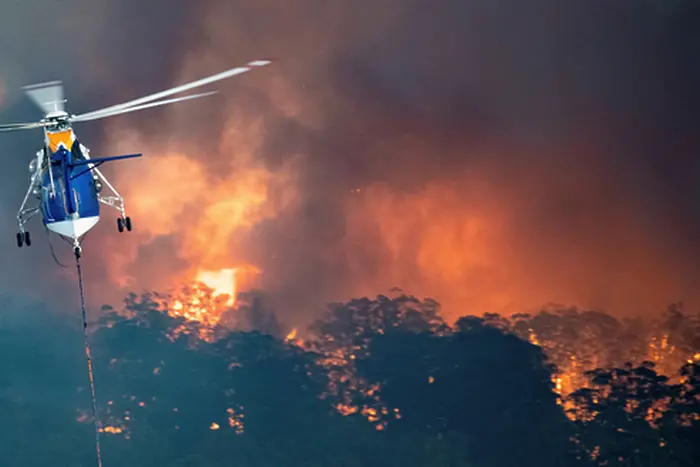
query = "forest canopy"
x=377 y=381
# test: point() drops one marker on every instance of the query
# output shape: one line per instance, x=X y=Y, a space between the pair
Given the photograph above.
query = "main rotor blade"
x=185 y=87
x=14 y=125
x=48 y=96
x=21 y=126
x=105 y=114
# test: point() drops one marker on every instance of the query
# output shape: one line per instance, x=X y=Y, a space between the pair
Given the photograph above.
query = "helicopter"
x=64 y=180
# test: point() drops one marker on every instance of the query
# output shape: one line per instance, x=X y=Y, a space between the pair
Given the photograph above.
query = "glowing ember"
x=235 y=420
x=111 y=429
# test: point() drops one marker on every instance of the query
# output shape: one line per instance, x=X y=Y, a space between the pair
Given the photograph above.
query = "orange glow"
x=478 y=241
x=222 y=282
x=211 y=294
x=209 y=216
x=111 y=430
x=435 y=243
x=235 y=419
x=473 y=241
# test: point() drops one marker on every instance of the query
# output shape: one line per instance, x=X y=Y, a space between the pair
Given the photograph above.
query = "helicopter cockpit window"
x=58 y=126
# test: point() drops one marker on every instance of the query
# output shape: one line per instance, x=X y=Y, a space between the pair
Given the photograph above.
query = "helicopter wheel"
x=127 y=222
x=120 y=224
x=27 y=239
x=20 y=239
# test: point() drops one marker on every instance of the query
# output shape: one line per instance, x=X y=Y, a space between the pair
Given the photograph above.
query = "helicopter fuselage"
x=69 y=199
x=67 y=184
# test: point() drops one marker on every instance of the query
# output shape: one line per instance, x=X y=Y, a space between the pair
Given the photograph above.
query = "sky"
x=496 y=156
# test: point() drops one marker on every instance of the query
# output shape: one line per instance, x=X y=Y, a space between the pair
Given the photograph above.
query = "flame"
x=476 y=240
x=235 y=419
x=292 y=335
x=197 y=304
x=448 y=242
x=111 y=430
x=193 y=223
x=223 y=282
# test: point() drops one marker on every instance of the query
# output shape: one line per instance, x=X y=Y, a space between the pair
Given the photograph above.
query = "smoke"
x=495 y=156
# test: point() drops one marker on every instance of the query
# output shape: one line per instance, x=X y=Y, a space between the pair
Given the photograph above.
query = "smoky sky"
x=575 y=121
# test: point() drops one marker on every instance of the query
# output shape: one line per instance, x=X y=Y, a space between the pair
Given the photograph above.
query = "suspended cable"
x=89 y=357
x=53 y=253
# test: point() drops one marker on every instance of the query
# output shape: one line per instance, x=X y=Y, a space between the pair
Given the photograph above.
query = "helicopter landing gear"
x=23 y=238
x=124 y=222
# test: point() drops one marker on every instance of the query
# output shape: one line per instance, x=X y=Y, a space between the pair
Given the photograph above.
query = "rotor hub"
x=57 y=115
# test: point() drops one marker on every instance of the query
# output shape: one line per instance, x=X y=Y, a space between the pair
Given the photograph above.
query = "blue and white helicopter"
x=64 y=180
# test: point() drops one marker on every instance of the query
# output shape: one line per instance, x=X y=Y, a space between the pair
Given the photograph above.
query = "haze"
x=495 y=156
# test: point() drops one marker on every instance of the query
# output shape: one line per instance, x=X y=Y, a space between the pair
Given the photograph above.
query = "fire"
x=196 y=223
x=206 y=305
x=433 y=241
x=111 y=429
x=222 y=282
x=485 y=238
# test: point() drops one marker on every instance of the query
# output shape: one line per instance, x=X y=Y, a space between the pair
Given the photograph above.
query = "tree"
x=490 y=387
x=42 y=375
x=343 y=334
x=633 y=416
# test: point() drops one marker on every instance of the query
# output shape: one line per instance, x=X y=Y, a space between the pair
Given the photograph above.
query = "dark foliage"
x=418 y=392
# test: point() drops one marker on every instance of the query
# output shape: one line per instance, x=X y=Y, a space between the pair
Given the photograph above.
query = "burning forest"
x=530 y=166
x=562 y=386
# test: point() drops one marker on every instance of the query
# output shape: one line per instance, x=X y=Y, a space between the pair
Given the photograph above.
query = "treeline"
x=382 y=381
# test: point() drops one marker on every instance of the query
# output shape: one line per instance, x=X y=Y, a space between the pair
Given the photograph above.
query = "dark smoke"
x=573 y=125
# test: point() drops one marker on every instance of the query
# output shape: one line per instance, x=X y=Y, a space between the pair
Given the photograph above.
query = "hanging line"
x=53 y=252
x=89 y=357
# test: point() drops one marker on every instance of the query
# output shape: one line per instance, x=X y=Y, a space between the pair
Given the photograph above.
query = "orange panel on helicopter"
x=56 y=139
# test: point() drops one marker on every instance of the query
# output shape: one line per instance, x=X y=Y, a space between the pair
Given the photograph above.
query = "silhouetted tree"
x=685 y=412
x=173 y=391
x=491 y=387
x=633 y=416
x=260 y=394
x=252 y=313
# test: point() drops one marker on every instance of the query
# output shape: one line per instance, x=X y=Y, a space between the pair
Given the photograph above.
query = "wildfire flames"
x=483 y=236
x=466 y=239
x=222 y=282
x=232 y=207
x=206 y=306
x=195 y=224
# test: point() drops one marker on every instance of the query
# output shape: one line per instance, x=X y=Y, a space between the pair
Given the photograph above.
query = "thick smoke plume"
x=495 y=156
